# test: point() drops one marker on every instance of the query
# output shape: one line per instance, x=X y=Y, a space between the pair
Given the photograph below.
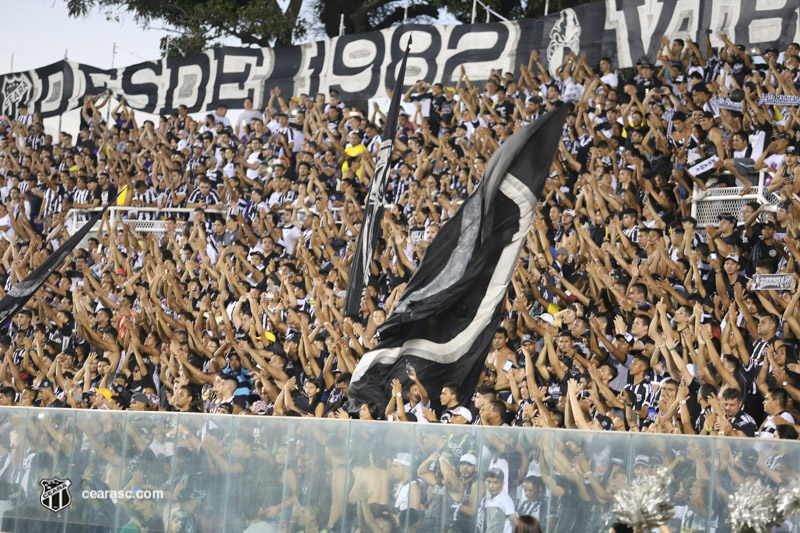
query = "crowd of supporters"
x=622 y=315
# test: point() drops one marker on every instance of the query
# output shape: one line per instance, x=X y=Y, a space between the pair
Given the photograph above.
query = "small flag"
x=373 y=211
x=22 y=291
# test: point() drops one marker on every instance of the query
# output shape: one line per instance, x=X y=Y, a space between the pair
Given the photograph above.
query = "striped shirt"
x=53 y=201
x=149 y=199
x=197 y=196
x=82 y=197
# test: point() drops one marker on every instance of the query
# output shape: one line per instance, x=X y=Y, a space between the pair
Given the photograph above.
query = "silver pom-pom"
x=753 y=508
x=789 y=499
x=645 y=503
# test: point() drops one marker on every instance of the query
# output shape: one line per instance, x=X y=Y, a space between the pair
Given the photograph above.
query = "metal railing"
x=117 y=214
x=709 y=204
x=76 y=217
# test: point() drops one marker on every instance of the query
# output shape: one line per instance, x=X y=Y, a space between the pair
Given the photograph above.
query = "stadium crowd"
x=623 y=314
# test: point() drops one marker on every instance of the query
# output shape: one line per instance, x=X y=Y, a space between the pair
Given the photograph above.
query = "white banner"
x=767 y=282
x=780 y=99
x=703 y=166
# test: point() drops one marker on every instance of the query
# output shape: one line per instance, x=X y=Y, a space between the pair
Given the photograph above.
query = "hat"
x=45 y=383
x=605 y=422
x=469 y=458
x=643 y=60
x=768 y=224
x=729 y=217
x=527 y=338
x=680 y=79
x=792 y=149
x=121 y=272
x=732 y=257
x=547 y=317
x=561 y=251
x=341 y=294
x=141 y=397
x=291 y=337
x=403 y=458
x=642 y=460
x=259 y=407
x=462 y=412
x=569 y=212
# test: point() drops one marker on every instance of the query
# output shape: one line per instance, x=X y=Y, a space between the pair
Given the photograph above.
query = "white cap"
x=462 y=412
x=469 y=459
x=403 y=458
x=547 y=317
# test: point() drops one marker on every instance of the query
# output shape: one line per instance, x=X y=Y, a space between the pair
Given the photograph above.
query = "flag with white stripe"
x=373 y=210
x=444 y=322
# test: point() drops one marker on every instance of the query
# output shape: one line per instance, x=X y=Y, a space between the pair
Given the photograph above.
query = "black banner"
x=22 y=291
x=363 y=66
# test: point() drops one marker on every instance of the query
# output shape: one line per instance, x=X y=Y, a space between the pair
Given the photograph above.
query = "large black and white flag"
x=22 y=291
x=444 y=322
x=373 y=210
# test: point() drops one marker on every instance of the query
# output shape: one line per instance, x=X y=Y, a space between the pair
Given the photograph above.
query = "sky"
x=85 y=40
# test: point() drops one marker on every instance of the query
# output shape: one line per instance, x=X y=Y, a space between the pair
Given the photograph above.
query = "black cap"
x=728 y=217
x=45 y=383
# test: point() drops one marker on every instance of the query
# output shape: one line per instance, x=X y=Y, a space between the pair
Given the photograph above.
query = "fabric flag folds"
x=373 y=211
x=21 y=292
x=444 y=322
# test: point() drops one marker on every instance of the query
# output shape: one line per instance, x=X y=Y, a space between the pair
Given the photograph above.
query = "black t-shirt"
x=504 y=110
x=745 y=423
x=106 y=196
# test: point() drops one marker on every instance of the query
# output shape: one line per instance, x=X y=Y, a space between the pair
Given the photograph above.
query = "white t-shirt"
x=6 y=221
x=246 y=117
x=224 y=120
x=417 y=410
x=610 y=79
x=769 y=428
x=253 y=159
x=494 y=513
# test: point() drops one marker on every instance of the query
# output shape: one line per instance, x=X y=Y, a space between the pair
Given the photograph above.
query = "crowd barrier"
x=78 y=470
x=708 y=205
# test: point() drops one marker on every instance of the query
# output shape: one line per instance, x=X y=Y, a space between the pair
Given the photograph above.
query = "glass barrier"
x=105 y=471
